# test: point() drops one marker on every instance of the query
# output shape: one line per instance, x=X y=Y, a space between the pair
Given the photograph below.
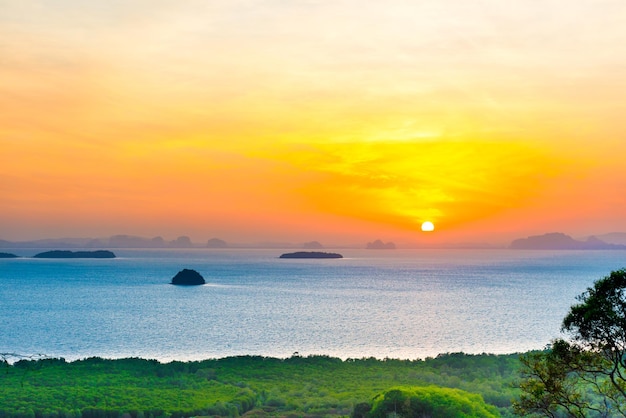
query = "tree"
x=429 y=402
x=584 y=376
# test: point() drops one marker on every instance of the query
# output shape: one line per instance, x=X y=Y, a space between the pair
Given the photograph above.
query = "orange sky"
x=340 y=122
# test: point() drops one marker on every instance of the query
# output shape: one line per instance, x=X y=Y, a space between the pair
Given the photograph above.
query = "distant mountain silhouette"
x=379 y=245
x=8 y=255
x=613 y=238
x=131 y=241
x=560 y=241
x=216 y=243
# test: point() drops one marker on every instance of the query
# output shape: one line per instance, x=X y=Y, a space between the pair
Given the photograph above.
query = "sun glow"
x=428 y=226
x=328 y=136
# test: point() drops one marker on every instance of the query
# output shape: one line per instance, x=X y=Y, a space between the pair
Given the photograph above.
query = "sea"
x=404 y=304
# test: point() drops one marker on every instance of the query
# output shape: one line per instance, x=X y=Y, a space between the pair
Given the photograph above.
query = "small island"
x=188 y=277
x=216 y=243
x=311 y=254
x=75 y=254
x=379 y=245
x=8 y=255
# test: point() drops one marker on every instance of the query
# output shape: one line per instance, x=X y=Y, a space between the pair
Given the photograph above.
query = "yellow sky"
x=340 y=121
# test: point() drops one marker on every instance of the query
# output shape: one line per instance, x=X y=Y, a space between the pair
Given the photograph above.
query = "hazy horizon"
x=338 y=122
x=184 y=241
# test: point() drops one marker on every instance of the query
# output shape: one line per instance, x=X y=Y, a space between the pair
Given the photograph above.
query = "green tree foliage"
x=234 y=386
x=584 y=376
x=430 y=401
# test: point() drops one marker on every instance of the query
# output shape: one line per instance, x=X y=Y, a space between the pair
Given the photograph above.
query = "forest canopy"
x=233 y=386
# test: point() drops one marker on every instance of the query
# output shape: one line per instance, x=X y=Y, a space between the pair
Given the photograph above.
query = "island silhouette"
x=561 y=241
x=380 y=245
x=310 y=254
x=75 y=254
x=188 y=277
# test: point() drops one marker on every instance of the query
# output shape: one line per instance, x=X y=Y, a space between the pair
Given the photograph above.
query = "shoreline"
x=11 y=357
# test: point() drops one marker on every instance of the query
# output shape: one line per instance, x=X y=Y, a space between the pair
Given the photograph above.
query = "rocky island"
x=188 y=277
x=311 y=254
x=75 y=254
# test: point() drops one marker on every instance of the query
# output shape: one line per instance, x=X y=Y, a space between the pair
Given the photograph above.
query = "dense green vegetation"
x=430 y=401
x=256 y=386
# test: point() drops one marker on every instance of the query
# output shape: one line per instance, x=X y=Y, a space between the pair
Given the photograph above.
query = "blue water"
x=398 y=304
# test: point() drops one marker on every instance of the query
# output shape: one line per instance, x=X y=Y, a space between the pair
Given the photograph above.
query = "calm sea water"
x=398 y=304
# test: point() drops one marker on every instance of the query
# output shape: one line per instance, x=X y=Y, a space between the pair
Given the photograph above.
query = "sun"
x=428 y=226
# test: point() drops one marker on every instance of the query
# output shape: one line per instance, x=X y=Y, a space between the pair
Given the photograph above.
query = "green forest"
x=451 y=385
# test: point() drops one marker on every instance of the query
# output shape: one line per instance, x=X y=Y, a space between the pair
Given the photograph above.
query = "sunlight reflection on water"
x=398 y=304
